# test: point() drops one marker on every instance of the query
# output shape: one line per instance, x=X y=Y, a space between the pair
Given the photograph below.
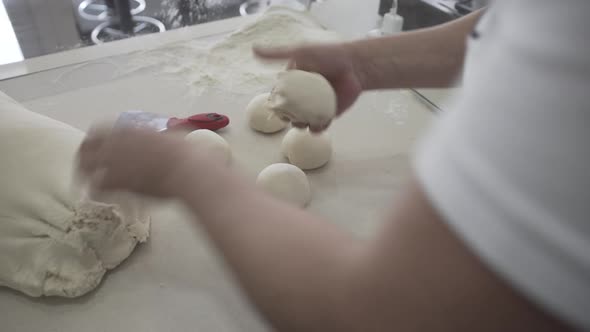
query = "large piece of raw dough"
x=53 y=240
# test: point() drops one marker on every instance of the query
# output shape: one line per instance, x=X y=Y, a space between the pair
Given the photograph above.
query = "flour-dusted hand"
x=140 y=161
x=333 y=61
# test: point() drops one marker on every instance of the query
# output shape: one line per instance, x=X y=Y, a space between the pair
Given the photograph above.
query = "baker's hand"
x=139 y=161
x=334 y=61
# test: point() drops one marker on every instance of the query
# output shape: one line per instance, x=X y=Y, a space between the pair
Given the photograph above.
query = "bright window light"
x=10 y=48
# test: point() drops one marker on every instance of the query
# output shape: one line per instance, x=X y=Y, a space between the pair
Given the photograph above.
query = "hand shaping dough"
x=53 y=239
x=261 y=118
x=307 y=150
x=303 y=97
x=286 y=182
x=211 y=142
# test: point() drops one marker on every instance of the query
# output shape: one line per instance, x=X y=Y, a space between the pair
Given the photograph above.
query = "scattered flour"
x=229 y=64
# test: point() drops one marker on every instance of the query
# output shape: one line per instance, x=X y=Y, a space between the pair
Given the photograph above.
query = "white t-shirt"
x=508 y=167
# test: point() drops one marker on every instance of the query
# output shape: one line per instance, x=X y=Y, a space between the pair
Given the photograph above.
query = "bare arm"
x=431 y=57
x=305 y=274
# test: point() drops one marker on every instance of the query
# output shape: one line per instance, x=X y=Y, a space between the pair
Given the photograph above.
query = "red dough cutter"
x=140 y=119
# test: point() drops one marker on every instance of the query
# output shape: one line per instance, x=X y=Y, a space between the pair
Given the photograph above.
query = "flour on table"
x=229 y=65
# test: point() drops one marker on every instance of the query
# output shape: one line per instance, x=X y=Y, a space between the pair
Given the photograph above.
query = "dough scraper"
x=157 y=122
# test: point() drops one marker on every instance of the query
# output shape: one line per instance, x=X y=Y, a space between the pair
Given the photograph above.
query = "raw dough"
x=286 y=182
x=261 y=118
x=212 y=142
x=307 y=150
x=53 y=239
x=303 y=97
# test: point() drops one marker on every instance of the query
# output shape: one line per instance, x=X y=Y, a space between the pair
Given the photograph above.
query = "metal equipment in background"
x=119 y=19
x=425 y=13
x=250 y=7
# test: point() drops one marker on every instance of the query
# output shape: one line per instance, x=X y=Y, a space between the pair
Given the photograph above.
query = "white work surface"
x=176 y=282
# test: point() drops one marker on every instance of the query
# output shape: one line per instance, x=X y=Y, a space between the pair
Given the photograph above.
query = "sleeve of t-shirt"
x=508 y=167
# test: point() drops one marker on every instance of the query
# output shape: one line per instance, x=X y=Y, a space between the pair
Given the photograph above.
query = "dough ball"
x=305 y=149
x=210 y=141
x=303 y=97
x=261 y=118
x=286 y=182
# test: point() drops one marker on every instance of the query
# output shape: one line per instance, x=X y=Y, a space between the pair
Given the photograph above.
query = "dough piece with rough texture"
x=305 y=149
x=286 y=182
x=261 y=118
x=54 y=240
x=303 y=97
x=211 y=142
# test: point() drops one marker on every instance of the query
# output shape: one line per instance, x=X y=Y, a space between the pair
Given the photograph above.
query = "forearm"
x=306 y=275
x=294 y=267
x=424 y=58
